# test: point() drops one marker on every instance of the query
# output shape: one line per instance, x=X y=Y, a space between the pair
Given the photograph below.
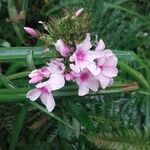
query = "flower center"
x=101 y=67
x=45 y=90
x=84 y=76
x=80 y=55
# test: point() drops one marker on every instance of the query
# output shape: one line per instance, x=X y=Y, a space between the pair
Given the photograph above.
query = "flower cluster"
x=89 y=69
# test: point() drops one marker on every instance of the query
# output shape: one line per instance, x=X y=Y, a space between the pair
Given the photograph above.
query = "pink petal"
x=48 y=100
x=101 y=61
x=56 y=66
x=35 y=79
x=31 y=31
x=100 y=46
x=110 y=71
x=86 y=44
x=93 y=85
x=104 y=81
x=79 y=12
x=34 y=73
x=45 y=72
x=95 y=55
x=75 y=68
x=62 y=48
x=33 y=94
x=56 y=81
x=108 y=52
x=41 y=85
x=72 y=58
x=93 y=69
x=83 y=90
x=111 y=61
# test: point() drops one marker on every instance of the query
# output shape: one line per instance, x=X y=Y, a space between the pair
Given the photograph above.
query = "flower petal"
x=48 y=100
x=83 y=90
x=41 y=85
x=101 y=60
x=111 y=61
x=93 y=68
x=56 y=81
x=33 y=94
x=75 y=68
x=79 y=12
x=93 y=85
x=110 y=71
x=104 y=81
x=31 y=31
x=100 y=46
x=62 y=48
x=35 y=79
x=86 y=44
x=33 y=73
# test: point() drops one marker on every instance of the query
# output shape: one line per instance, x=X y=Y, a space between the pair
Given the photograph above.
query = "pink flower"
x=45 y=95
x=43 y=90
x=31 y=31
x=83 y=57
x=56 y=66
x=107 y=65
x=63 y=49
x=79 y=12
x=98 y=50
x=71 y=76
x=38 y=75
x=86 y=82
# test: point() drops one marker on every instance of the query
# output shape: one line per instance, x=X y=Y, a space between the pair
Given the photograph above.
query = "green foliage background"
x=117 y=118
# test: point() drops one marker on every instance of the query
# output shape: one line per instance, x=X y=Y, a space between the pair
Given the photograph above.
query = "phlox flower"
x=56 y=66
x=38 y=75
x=79 y=12
x=71 y=76
x=31 y=31
x=44 y=90
x=62 y=48
x=86 y=81
x=107 y=65
x=83 y=57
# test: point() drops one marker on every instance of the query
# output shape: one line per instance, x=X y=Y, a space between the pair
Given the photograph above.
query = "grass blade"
x=15 y=95
x=12 y=14
x=53 y=115
x=135 y=74
x=4 y=81
x=17 y=128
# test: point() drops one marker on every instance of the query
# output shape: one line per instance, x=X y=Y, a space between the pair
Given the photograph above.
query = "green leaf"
x=4 y=81
x=19 y=54
x=135 y=74
x=18 y=75
x=19 y=94
x=53 y=116
x=13 y=13
x=109 y=5
x=17 y=128
x=13 y=67
x=30 y=62
x=4 y=43
x=81 y=115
